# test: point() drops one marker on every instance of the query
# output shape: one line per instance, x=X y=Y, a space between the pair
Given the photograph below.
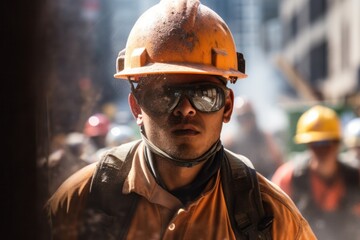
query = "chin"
x=185 y=151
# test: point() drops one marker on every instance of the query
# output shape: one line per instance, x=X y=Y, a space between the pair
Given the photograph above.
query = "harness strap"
x=106 y=187
x=249 y=216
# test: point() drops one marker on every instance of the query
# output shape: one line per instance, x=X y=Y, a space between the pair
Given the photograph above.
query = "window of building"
x=317 y=9
x=318 y=62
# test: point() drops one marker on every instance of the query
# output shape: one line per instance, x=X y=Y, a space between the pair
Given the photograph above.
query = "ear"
x=228 y=108
x=135 y=109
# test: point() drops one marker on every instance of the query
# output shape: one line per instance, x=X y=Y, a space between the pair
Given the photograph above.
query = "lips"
x=185 y=131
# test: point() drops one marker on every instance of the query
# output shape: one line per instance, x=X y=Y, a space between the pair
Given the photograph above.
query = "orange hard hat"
x=180 y=36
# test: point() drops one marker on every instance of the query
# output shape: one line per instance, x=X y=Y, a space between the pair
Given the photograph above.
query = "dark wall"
x=22 y=48
x=51 y=54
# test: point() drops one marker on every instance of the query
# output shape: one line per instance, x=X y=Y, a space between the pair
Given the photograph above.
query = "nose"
x=184 y=108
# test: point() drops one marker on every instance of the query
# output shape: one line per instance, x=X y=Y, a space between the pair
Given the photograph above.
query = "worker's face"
x=182 y=114
x=324 y=150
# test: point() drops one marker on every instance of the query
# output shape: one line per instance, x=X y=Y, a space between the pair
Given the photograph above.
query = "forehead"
x=179 y=79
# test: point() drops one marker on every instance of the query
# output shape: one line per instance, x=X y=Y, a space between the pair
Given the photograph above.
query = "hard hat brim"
x=315 y=137
x=178 y=68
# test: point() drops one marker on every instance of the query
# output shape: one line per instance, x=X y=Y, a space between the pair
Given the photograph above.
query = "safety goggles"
x=322 y=144
x=204 y=97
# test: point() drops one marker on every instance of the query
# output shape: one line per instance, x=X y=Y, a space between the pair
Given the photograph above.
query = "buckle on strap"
x=265 y=223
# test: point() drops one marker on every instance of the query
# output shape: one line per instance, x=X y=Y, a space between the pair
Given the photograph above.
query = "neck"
x=174 y=176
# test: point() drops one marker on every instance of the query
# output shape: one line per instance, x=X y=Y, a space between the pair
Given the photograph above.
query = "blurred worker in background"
x=325 y=190
x=117 y=135
x=110 y=110
x=258 y=145
x=96 y=128
x=65 y=161
x=351 y=155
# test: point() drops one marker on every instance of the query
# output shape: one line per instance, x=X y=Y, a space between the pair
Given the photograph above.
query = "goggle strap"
x=133 y=90
x=131 y=85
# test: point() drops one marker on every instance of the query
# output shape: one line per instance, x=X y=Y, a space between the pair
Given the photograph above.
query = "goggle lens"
x=203 y=97
x=319 y=144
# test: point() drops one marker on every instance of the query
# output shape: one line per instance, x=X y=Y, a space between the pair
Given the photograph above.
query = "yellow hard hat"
x=319 y=123
x=180 y=36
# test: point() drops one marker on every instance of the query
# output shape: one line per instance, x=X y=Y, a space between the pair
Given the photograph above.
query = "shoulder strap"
x=106 y=188
x=301 y=165
x=300 y=183
x=350 y=174
x=243 y=198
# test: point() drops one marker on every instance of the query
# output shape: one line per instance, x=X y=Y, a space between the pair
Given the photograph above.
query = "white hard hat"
x=352 y=133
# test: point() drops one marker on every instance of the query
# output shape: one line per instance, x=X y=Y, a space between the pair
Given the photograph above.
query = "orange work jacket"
x=160 y=215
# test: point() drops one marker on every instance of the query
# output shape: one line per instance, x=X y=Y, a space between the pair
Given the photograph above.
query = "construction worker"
x=177 y=182
x=67 y=160
x=96 y=128
x=117 y=135
x=351 y=155
x=325 y=190
x=258 y=145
